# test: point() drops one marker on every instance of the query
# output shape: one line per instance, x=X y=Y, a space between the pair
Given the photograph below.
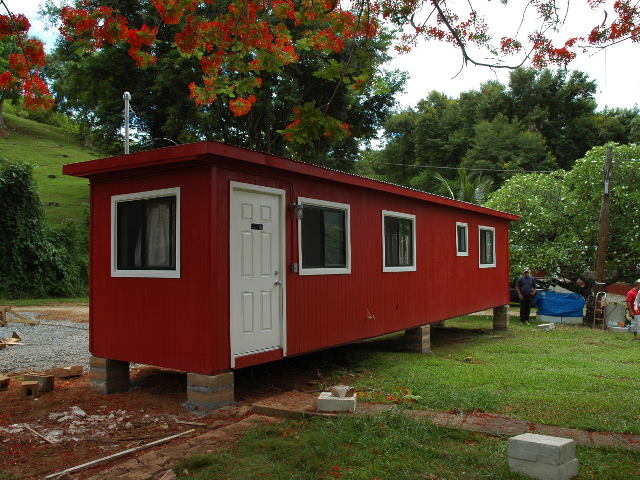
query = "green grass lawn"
x=571 y=376
x=47 y=148
x=387 y=447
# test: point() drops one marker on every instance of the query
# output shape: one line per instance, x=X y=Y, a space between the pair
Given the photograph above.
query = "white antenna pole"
x=127 y=97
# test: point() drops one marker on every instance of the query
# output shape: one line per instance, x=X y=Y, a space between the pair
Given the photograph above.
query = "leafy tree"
x=35 y=260
x=505 y=146
x=558 y=230
x=348 y=85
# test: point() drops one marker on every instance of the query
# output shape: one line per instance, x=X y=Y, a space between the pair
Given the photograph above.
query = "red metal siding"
x=158 y=321
x=327 y=310
x=184 y=323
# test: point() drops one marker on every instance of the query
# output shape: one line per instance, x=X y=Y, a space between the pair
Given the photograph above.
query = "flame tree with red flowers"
x=21 y=61
x=236 y=42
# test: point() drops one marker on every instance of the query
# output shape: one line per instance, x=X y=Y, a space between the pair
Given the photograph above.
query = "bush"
x=36 y=260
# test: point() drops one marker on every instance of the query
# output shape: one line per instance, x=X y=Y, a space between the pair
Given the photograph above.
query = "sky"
x=433 y=65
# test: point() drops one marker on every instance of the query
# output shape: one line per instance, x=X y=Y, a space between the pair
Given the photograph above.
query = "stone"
x=544 y=471
x=29 y=390
x=327 y=402
x=341 y=391
x=542 y=448
x=546 y=326
x=45 y=382
x=66 y=372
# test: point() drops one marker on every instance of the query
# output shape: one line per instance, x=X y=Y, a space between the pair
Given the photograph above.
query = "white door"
x=256 y=276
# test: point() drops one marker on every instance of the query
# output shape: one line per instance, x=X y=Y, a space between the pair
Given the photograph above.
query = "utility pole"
x=604 y=223
x=127 y=97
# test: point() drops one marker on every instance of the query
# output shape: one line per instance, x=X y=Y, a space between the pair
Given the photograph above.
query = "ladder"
x=598 y=303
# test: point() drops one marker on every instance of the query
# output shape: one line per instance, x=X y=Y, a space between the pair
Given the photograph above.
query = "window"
x=487 y=247
x=462 y=239
x=323 y=235
x=145 y=230
x=398 y=242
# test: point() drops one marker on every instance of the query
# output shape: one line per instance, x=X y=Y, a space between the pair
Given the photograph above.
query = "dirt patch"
x=83 y=425
x=69 y=312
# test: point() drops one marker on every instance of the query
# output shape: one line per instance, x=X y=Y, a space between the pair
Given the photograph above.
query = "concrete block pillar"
x=418 y=339
x=501 y=317
x=108 y=376
x=210 y=392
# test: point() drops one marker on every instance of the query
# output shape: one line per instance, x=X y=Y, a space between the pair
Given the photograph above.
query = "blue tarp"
x=559 y=304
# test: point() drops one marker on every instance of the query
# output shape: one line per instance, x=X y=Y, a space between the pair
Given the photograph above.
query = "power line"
x=468 y=169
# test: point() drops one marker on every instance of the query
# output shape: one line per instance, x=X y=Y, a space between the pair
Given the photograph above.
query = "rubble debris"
x=15 y=339
x=118 y=455
x=38 y=434
x=78 y=412
x=29 y=390
x=45 y=382
x=19 y=318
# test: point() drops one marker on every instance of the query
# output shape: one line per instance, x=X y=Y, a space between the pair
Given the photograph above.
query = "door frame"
x=281 y=195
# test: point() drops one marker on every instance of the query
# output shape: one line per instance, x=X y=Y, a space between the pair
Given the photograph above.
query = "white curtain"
x=158 y=235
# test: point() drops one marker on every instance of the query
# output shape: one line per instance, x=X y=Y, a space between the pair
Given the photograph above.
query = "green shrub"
x=36 y=260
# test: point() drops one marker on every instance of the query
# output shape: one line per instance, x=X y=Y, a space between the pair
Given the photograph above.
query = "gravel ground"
x=47 y=345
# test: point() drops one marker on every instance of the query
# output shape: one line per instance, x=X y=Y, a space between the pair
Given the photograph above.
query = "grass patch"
x=35 y=302
x=48 y=148
x=384 y=447
x=571 y=376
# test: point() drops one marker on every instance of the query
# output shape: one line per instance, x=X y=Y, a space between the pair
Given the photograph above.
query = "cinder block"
x=4 y=383
x=544 y=471
x=210 y=392
x=108 y=376
x=542 y=448
x=546 y=326
x=223 y=380
x=418 y=339
x=45 y=382
x=66 y=372
x=29 y=390
x=501 y=317
x=326 y=402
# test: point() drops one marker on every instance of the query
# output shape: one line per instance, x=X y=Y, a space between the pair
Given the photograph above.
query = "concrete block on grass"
x=326 y=402
x=546 y=326
x=542 y=448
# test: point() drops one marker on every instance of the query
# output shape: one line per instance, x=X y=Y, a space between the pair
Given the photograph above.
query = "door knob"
x=277 y=282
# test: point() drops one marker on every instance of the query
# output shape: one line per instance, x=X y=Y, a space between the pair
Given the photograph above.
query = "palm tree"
x=467 y=187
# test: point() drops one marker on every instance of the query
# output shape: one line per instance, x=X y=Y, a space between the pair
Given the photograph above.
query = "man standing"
x=526 y=288
x=633 y=310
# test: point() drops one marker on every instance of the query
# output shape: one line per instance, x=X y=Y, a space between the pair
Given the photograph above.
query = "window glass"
x=462 y=238
x=323 y=238
x=146 y=234
x=398 y=242
x=486 y=247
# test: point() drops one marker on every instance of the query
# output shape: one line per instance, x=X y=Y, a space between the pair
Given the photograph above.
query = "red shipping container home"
x=206 y=258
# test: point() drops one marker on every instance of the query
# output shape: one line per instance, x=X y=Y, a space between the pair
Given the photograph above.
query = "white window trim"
x=115 y=199
x=338 y=206
x=408 y=216
x=466 y=230
x=493 y=230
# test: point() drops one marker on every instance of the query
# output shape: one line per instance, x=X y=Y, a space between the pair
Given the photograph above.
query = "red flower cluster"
x=241 y=106
x=23 y=72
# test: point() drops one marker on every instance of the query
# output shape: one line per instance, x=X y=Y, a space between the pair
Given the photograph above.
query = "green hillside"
x=48 y=148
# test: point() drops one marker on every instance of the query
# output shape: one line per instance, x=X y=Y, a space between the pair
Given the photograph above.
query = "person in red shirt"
x=633 y=311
